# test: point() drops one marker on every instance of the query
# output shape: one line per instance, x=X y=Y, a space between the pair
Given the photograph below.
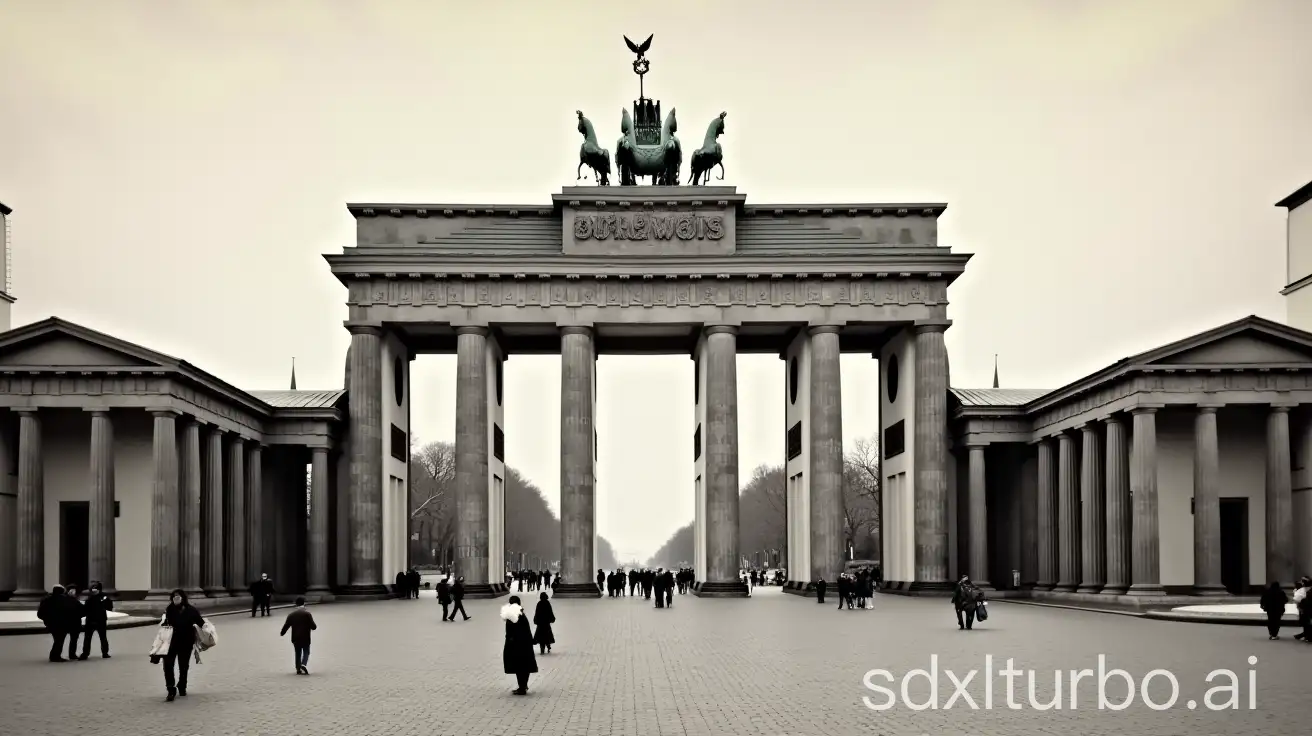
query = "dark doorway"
x=74 y=543
x=1234 y=545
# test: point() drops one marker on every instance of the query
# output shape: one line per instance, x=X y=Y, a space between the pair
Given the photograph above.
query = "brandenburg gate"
x=659 y=268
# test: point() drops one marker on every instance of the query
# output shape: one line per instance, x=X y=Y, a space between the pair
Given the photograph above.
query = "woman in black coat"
x=517 y=656
x=1273 y=602
x=183 y=618
x=543 y=618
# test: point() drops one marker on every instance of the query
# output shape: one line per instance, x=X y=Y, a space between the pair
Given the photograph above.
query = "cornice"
x=399 y=264
x=1116 y=373
x=644 y=197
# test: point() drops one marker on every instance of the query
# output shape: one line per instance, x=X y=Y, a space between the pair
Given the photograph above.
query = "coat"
x=301 y=623
x=544 y=617
x=517 y=655
x=1274 y=600
x=443 y=593
x=97 y=608
x=184 y=619
x=60 y=612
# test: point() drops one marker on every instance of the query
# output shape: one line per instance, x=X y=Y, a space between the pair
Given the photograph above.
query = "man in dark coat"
x=601 y=580
x=412 y=580
x=820 y=586
x=844 y=590
x=261 y=595
x=658 y=584
x=301 y=622
x=97 y=608
x=62 y=616
x=458 y=599
x=669 y=588
x=444 y=597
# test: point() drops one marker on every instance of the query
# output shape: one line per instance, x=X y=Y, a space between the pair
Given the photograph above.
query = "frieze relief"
x=646 y=292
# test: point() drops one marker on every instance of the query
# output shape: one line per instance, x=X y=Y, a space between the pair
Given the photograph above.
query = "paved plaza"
x=771 y=664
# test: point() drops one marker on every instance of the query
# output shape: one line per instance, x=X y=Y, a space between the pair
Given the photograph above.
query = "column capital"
x=1147 y=409
x=974 y=444
x=585 y=330
x=364 y=328
x=480 y=330
x=720 y=330
x=96 y=411
x=1090 y=426
x=161 y=411
x=1111 y=419
x=1282 y=407
x=822 y=329
x=932 y=325
x=1209 y=408
x=32 y=410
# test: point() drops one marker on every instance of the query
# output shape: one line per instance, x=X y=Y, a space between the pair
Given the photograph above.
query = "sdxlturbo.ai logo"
x=1158 y=689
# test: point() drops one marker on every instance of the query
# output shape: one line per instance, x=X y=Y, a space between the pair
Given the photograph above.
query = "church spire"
x=294 y=375
x=995 y=372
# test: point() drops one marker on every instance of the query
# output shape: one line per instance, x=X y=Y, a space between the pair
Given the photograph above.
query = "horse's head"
x=584 y=125
x=719 y=123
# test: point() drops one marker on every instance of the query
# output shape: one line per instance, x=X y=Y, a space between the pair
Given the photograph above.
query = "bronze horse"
x=591 y=154
x=710 y=154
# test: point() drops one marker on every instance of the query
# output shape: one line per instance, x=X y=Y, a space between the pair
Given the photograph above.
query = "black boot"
x=172 y=694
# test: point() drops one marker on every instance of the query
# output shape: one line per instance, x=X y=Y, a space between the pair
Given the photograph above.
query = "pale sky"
x=177 y=169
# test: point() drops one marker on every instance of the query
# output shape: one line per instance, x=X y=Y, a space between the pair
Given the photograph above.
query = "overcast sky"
x=177 y=169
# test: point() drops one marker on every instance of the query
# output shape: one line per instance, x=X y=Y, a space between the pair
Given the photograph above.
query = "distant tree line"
x=763 y=515
x=532 y=528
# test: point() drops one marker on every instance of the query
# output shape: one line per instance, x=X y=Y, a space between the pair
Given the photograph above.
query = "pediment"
x=1252 y=344
x=62 y=345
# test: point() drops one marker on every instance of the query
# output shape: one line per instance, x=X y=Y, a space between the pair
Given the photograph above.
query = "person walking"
x=96 y=610
x=966 y=599
x=820 y=586
x=458 y=600
x=517 y=655
x=300 y=622
x=183 y=619
x=261 y=595
x=543 y=618
x=1273 y=603
x=62 y=618
x=444 y=596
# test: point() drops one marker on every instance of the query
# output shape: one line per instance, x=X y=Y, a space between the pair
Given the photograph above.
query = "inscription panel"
x=616 y=231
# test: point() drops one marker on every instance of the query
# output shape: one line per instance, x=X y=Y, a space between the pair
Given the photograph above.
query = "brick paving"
x=772 y=664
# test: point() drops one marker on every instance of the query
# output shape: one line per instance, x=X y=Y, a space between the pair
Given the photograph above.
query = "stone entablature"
x=518 y=298
x=1137 y=382
x=86 y=369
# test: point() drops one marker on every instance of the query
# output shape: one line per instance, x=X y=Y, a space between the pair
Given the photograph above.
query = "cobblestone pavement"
x=772 y=664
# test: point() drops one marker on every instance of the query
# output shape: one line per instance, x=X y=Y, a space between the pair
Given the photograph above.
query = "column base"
x=1146 y=589
x=1093 y=588
x=576 y=590
x=159 y=594
x=931 y=587
x=192 y=593
x=484 y=591
x=216 y=592
x=733 y=589
x=28 y=595
x=983 y=585
x=1213 y=590
x=1113 y=589
x=1063 y=588
x=363 y=592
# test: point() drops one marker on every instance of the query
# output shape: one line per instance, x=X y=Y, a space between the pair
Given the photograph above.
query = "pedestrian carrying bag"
x=983 y=613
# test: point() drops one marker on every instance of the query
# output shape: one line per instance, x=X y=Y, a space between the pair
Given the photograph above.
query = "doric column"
x=189 y=492
x=1279 y=498
x=1068 y=515
x=471 y=455
x=31 y=548
x=1029 y=535
x=366 y=410
x=931 y=457
x=1047 y=513
x=577 y=466
x=978 y=516
x=254 y=511
x=165 y=555
x=318 y=520
x=1207 y=504
x=721 y=463
x=212 y=502
x=101 y=528
x=828 y=543
x=1093 y=524
x=235 y=517
x=1118 y=508
x=1146 y=553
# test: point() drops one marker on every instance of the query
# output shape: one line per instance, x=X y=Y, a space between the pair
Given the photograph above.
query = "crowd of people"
x=1275 y=600
x=643 y=582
